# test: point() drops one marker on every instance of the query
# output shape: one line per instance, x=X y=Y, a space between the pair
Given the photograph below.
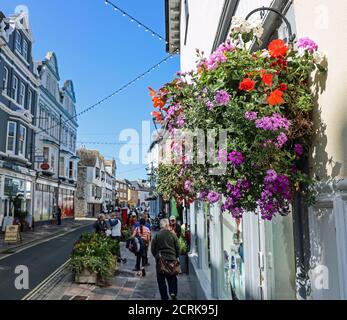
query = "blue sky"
x=100 y=50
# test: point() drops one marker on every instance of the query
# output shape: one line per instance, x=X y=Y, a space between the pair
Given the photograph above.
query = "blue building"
x=55 y=142
x=18 y=100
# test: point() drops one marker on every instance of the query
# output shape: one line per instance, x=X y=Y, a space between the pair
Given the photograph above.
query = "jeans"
x=172 y=282
x=139 y=257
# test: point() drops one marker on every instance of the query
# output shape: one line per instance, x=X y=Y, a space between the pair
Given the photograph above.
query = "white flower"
x=265 y=54
x=319 y=57
x=301 y=52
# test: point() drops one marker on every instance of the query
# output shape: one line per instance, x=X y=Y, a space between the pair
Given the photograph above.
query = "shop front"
x=16 y=194
x=46 y=198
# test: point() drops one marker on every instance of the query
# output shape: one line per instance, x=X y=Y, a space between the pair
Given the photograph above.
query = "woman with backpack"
x=143 y=234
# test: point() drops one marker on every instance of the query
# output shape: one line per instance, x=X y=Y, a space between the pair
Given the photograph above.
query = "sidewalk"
x=42 y=232
x=123 y=286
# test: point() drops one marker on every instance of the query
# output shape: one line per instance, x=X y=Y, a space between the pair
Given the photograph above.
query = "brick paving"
x=125 y=285
x=43 y=231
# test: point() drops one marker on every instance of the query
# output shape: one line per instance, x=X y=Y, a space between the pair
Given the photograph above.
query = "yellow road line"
x=47 y=280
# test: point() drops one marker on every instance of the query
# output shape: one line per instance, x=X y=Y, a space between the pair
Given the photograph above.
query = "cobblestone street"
x=125 y=285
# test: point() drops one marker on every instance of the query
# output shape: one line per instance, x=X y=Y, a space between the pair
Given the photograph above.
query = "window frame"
x=22 y=143
x=30 y=100
x=5 y=79
x=18 y=42
x=15 y=90
x=25 y=45
x=21 y=96
x=14 y=137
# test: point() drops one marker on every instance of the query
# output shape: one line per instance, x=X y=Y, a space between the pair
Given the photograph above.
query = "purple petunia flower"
x=181 y=120
x=236 y=158
x=307 y=44
x=222 y=98
x=213 y=197
x=298 y=149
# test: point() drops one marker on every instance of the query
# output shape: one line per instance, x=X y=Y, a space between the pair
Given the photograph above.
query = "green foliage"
x=96 y=253
x=183 y=246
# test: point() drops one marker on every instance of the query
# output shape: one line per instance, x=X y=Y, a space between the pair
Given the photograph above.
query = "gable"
x=69 y=89
x=52 y=63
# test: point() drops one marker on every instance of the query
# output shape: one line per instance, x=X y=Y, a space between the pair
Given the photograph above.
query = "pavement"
x=41 y=232
x=124 y=285
x=42 y=253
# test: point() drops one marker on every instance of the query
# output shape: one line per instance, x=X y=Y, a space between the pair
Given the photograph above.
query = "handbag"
x=169 y=268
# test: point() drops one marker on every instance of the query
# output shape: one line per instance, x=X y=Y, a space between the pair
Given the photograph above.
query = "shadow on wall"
x=320 y=161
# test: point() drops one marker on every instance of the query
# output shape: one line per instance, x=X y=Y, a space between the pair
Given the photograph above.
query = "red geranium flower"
x=283 y=87
x=267 y=79
x=157 y=115
x=277 y=48
x=247 y=84
x=276 y=97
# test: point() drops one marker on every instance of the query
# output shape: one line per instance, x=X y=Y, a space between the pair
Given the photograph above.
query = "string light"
x=112 y=143
x=139 y=23
x=118 y=91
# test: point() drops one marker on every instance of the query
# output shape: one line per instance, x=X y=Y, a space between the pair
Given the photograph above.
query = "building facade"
x=292 y=257
x=18 y=101
x=122 y=193
x=95 y=184
x=55 y=143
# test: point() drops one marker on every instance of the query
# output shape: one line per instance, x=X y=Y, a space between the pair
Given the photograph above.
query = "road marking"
x=42 y=241
x=32 y=293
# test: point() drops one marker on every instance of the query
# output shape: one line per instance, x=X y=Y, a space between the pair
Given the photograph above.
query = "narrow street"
x=41 y=259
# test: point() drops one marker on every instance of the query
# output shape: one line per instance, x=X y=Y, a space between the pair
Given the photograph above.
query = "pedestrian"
x=100 y=225
x=133 y=220
x=59 y=216
x=116 y=233
x=144 y=233
x=175 y=227
x=165 y=249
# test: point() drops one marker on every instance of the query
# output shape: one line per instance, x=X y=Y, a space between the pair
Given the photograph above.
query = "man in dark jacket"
x=165 y=243
x=100 y=225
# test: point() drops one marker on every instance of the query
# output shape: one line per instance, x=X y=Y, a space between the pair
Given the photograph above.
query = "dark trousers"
x=118 y=253
x=139 y=257
x=172 y=283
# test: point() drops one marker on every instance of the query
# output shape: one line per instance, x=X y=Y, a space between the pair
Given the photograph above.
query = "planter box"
x=184 y=263
x=86 y=277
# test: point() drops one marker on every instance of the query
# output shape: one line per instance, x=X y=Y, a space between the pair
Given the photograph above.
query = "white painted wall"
x=204 y=16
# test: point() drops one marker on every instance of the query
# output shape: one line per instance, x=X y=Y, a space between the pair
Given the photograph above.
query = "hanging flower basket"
x=263 y=101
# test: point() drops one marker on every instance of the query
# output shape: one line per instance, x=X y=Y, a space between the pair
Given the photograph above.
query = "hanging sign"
x=45 y=166
x=12 y=234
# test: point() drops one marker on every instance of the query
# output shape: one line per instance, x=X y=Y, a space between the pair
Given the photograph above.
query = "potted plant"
x=93 y=259
x=183 y=255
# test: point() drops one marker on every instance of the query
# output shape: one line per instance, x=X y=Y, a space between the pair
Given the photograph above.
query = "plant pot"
x=86 y=277
x=184 y=263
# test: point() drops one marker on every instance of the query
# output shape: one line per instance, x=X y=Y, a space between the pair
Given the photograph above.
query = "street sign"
x=12 y=234
x=45 y=166
x=39 y=159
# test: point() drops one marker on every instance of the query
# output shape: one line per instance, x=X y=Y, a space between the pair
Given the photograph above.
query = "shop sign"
x=12 y=234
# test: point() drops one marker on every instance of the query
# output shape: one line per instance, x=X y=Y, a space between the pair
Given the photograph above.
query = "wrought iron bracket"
x=289 y=27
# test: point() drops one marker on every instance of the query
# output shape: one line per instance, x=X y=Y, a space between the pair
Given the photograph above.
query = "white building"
x=96 y=183
x=55 y=143
x=291 y=257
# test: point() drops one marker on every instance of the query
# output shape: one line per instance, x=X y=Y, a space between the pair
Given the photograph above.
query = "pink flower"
x=307 y=44
x=222 y=97
x=236 y=158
